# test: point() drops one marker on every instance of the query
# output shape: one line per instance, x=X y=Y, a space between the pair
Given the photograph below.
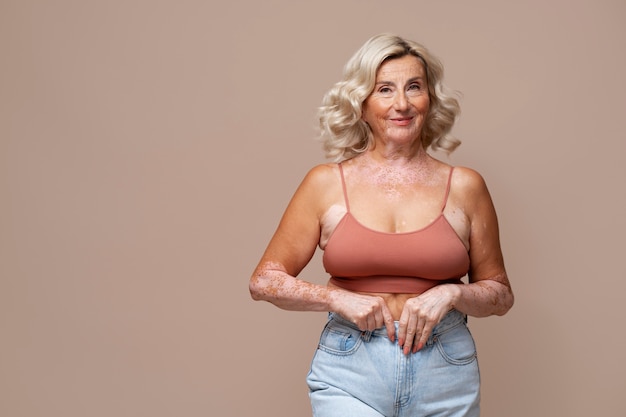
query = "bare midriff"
x=394 y=301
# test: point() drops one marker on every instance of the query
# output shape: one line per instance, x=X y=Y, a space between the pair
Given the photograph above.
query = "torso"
x=394 y=200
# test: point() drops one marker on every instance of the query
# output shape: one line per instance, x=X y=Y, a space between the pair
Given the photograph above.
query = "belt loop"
x=366 y=335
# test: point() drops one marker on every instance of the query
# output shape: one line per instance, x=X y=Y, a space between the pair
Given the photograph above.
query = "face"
x=397 y=108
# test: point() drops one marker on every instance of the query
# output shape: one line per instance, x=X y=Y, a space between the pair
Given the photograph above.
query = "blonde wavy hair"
x=344 y=134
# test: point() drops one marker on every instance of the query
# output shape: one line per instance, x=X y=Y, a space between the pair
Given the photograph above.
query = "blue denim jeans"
x=364 y=374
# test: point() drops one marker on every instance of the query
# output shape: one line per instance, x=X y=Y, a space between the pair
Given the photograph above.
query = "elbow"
x=507 y=303
x=255 y=288
x=261 y=287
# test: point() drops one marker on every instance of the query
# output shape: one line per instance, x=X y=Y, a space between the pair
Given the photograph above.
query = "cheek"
x=374 y=108
x=371 y=118
x=423 y=105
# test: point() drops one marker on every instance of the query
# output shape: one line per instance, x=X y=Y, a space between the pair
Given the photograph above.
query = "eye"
x=384 y=90
x=415 y=86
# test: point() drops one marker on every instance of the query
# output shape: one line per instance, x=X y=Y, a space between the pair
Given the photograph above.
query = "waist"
x=452 y=319
x=389 y=284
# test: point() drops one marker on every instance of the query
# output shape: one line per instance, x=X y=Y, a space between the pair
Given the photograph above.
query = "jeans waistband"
x=452 y=319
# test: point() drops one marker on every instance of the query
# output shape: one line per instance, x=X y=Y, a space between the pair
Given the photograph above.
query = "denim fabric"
x=364 y=374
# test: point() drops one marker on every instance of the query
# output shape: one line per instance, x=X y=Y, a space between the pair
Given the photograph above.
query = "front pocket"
x=456 y=345
x=340 y=340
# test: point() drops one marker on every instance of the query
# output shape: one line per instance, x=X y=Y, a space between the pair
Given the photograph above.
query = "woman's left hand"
x=421 y=314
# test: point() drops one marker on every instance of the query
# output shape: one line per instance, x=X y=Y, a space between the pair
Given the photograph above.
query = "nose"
x=401 y=102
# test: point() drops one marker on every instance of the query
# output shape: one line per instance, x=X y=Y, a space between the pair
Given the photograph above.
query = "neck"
x=398 y=156
x=397 y=171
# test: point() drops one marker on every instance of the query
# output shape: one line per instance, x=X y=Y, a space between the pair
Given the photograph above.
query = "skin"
x=393 y=187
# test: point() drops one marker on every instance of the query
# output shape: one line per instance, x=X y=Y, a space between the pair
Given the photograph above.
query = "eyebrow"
x=418 y=78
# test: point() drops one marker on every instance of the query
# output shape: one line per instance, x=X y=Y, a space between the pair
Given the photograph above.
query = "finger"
x=414 y=328
x=371 y=322
x=419 y=330
x=403 y=326
x=389 y=323
x=377 y=320
x=423 y=338
x=361 y=320
x=408 y=343
x=411 y=331
x=426 y=325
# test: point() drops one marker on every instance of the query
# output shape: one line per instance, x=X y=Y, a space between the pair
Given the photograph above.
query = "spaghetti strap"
x=445 y=198
x=343 y=185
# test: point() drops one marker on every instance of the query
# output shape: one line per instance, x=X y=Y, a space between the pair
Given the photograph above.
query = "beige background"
x=148 y=149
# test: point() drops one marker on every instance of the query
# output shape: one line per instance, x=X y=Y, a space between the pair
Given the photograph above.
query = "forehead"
x=408 y=66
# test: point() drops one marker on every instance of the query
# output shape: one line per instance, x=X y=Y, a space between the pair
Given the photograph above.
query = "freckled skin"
x=396 y=186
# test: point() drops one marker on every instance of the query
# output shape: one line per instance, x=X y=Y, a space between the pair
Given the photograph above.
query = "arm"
x=488 y=292
x=291 y=248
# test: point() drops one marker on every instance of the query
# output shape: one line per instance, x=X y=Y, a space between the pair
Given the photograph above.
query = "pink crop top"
x=362 y=259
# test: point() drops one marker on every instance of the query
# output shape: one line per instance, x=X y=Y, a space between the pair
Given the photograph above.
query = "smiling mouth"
x=402 y=121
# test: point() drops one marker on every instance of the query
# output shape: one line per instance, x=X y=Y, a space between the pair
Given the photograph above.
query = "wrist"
x=331 y=300
x=454 y=295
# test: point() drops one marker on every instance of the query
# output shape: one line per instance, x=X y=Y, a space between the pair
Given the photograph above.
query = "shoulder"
x=320 y=185
x=320 y=177
x=322 y=172
x=469 y=190
x=468 y=180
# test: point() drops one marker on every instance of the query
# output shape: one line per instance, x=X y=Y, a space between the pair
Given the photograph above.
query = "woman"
x=399 y=230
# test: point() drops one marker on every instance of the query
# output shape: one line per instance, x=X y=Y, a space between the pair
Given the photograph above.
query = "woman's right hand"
x=367 y=312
